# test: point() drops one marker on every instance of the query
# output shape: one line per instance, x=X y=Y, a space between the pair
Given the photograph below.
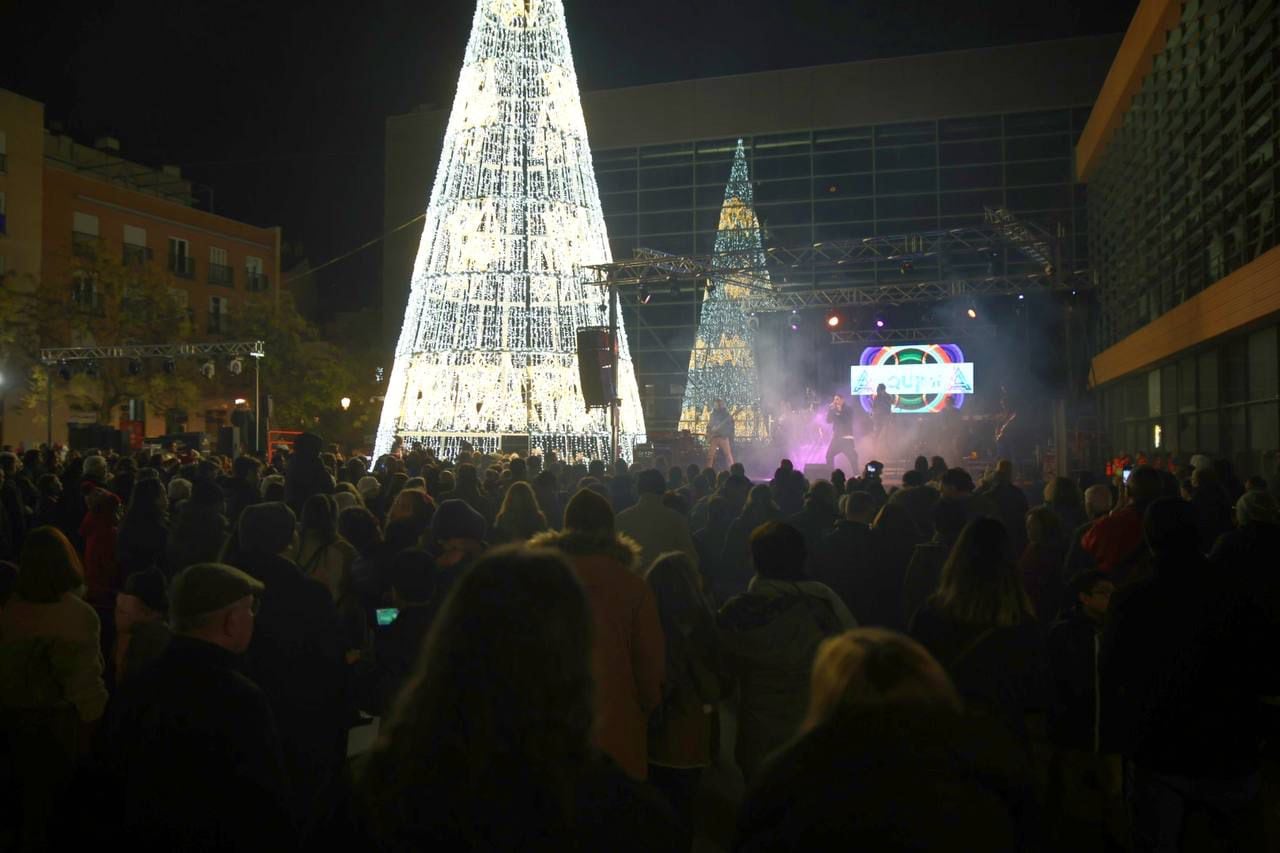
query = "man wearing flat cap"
x=190 y=745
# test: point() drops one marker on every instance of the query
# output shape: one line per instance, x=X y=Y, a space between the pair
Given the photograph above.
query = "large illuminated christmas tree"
x=722 y=365
x=487 y=349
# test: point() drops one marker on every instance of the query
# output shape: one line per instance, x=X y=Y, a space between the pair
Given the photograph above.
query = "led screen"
x=922 y=377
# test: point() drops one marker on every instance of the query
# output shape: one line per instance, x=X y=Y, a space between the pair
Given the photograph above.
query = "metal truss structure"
x=253 y=349
x=912 y=334
x=924 y=267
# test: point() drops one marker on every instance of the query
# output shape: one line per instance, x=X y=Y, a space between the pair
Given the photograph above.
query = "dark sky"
x=279 y=107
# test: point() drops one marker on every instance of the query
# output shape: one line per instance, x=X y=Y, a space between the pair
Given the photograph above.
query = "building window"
x=3 y=154
x=218 y=310
x=255 y=280
x=3 y=228
x=135 y=249
x=180 y=261
x=84 y=235
x=84 y=294
x=219 y=269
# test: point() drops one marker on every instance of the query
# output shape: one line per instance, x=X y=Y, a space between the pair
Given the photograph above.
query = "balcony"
x=221 y=274
x=183 y=266
x=135 y=255
x=84 y=245
x=256 y=282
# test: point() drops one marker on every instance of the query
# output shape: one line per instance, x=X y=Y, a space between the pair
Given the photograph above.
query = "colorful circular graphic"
x=914 y=404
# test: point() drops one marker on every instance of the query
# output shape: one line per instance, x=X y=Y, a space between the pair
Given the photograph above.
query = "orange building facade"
x=90 y=201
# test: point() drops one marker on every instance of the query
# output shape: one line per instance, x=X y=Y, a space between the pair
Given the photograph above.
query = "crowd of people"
x=552 y=654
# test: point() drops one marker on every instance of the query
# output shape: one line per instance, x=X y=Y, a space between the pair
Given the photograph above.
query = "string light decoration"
x=488 y=345
x=722 y=365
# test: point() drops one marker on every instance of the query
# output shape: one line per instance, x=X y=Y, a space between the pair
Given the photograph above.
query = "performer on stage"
x=841 y=419
x=720 y=434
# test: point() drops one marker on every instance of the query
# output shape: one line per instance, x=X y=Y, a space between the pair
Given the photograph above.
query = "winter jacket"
x=891 y=778
x=656 y=529
x=842 y=562
x=1073 y=646
x=769 y=636
x=102 y=573
x=628 y=655
x=197 y=535
x=50 y=656
x=193 y=755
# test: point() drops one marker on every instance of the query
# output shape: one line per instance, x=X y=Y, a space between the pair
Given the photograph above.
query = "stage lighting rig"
x=235 y=367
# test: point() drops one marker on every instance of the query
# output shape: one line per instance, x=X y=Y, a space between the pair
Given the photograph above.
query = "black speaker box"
x=595 y=366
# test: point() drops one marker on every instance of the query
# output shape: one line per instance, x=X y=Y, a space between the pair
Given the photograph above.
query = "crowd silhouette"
x=495 y=652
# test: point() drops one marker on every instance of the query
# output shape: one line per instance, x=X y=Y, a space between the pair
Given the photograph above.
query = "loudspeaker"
x=94 y=436
x=229 y=441
x=595 y=366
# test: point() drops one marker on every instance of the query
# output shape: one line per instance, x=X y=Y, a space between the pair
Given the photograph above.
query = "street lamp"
x=346 y=403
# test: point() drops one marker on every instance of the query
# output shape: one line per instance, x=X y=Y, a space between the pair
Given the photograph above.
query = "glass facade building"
x=837 y=184
x=1182 y=209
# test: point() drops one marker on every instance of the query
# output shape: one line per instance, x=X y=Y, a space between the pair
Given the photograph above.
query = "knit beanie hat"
x=455 y=519
x=589 y=512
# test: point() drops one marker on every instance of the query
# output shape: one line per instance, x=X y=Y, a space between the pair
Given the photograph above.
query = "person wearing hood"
x=769 y=635
x=305 y=475
x=456 y=537
x=628 y=657
x=1181 y=691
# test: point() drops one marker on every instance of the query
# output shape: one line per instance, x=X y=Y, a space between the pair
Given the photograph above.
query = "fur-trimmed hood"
x=575 y=543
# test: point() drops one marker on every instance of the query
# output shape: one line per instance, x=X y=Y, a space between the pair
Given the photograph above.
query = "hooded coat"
x=769 y=636
x=629 y=652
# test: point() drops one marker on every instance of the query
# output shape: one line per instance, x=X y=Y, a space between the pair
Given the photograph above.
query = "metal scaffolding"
x=255 y=350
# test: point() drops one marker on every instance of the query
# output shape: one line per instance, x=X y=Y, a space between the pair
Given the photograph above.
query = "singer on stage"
x=840 y=417
x=720 y=434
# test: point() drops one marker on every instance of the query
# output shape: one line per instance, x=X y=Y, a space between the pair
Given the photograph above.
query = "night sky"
x=279 y=107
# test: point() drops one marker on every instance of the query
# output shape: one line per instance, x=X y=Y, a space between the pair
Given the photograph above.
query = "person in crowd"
x=98 y=532
x=628 y=655
x=917 y=497
x=52 y=692
x=769 y=635
x=506 y=762
x=1073 y=645
x=1116 y=542
x=957 y=484
x=1010 y=501
x=8 y=579
x=369 y=572
x=654 y=527
x=893 y=541
x=709 y=542
x=241 y=489
x=520 y=517
x=680 y=738
x=191 y=748
x=368 y=487
x=736 y=559
x=12 y=502
x=1062 y=497
x=408 y=519
x=1212 y=503
x=321 y=553
x=141 y=632
x=818 y=517
x=417 y=595
x=1097 y=505
x=49 y=507
x=1041 y=562
x=1245 y=556
x=199 y=531
x=842 y=562
x=466 y=488
x=272 y=489
x=306 y=475
x=547 y=490
x=884 y=729
x=296 y=657
x=981 y=627
x=144 y=530
x=456 y=538
x=1180 y=691
x=937 y=467
x=178 y=491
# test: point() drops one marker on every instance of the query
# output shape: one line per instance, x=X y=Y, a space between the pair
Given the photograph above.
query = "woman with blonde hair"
x=885 y=756
x=520 y=517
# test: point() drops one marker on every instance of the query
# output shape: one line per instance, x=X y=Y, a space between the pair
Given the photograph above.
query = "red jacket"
x=1114 y=539
x=98 y=530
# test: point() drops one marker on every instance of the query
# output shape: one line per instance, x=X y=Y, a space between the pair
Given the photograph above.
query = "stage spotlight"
x=833 y=320
x=1021 y=296
x=64 y=370
x=971 y=312
x=170 y=366
x=645 y=295
x=208 y=369
x=906 y=267
x=711 y=285
x=795 y=320
x=91 y=370
x=675 y=285
x=235 y=366
x=135 y=366
x=880 y=321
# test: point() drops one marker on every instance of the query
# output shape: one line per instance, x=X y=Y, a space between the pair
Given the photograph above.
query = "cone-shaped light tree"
x=722 y=365
x=488 y=346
